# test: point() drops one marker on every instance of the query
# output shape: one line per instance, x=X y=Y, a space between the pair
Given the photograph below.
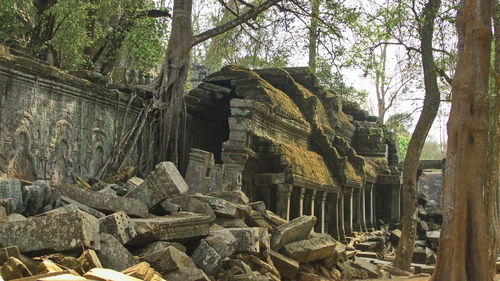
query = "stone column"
x=395 y=203
x=301 y=201
x=323 y=214
x=348 y=209
x=363 y=210
x=313 y=202
x=199 y=170
x=284 y=191
x=340 y=216
x=356 y=224
x=369 y=206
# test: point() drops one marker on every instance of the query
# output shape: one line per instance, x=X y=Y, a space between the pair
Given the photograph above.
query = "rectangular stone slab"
x=310 y=250
x=105 y=203
x=178 y=227
x=52 y=233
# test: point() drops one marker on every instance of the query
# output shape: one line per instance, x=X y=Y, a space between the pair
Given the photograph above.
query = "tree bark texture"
x=467 y=249
x=313 y=35
x=404 y=251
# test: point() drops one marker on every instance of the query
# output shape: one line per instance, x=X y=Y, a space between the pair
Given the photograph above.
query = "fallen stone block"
x=155 y=246
x=105 y=203
x=65 y=275
x=185 y=274
x=373 y=271
x=88 y=260
x=206 y=258
x=113 y=255
x=35 y=197
x=222 y=241
x=168 y=259
x=3 y=215
x=11 y=188
x=144 y=271
x=118 y=225
x=230 y=222
x=47 y=266
x=16 y=217
x=233 y=196
x=181 y=226
x=6 y=253
x=65 y=200
x=294 y=230
x=220 y=206
x=369 y=246
x=193 y=205
x=313 y=249
x=395 y=236
x=55 y=232
x=287 y=267
x=104 y=274
x=14 y=268
x=305 y=276
x=247 y=239
x=162 y=183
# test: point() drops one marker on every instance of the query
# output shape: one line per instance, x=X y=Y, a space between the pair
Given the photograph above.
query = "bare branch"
x=250 y=14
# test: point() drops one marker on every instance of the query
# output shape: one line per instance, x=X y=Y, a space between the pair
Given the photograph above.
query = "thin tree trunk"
x=313 y=35
x=467 y=248
x=494 y=150
x=43 y=31
x=404 y=251
x=380 y=84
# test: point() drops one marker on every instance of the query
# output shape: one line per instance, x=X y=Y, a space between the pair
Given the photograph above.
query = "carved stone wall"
x=56 y=126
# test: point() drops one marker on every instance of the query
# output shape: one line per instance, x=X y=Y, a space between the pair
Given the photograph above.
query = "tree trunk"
x=467 y=249
x=313 y=35
x=171 y=91
x=494 y=149
x=43 y=30
x=380 y=84
x=404 y=251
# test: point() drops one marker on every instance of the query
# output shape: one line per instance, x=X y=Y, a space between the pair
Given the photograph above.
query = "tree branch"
x=155 y=13
x=251 y=13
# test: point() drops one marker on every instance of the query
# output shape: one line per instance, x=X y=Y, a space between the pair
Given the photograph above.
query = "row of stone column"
x=339 y=213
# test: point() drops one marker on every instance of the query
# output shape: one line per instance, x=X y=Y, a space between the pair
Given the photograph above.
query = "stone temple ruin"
x=310 y=167
x=283 y=139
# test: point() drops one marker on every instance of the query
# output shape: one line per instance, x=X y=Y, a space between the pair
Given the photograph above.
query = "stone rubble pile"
x=135 y=229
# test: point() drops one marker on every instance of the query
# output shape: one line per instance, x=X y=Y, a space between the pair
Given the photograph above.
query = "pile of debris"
x=134 y=229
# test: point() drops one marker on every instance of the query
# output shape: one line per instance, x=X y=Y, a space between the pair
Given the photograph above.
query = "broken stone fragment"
x=105 y=274
x=395 y=236
x=193 y=205
x=181 y=226
x=6 y=253
x=65 y=200
x=313 y=249
x=89 y=260
x=3 y=215
x=155 y=246
x=104 y=202
x=294 y=230
x=233 y=196
x=144 y=271
x=287 y=267
x=47 y=266
x=373 y=271
x=9 y=204
x=11 y=188
x=14 y=268
x=220 y=206
x=35 y=197
x=162 y=183
x=206 y=257
x=113 y=254
x=230 y=222
x=247 y=239
x=55 y=232
x=118 y=225
x=222 y=241
x=16 y=217
x=168 y=259
x=185 y=274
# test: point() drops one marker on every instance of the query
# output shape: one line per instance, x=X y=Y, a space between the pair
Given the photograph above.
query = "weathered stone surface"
x=230 y=222
x=294 y=230
x=113 y=255
x=162 y=183
x=104 y=202
x=9 y=204
x=185 y=274
x=108 y=275
x=198 y=170
x=372 y=269
x=16 y=217
x=222 y=241
x=220 y=206
x=3 y=215
x=47 y=266
x=118 y=225
x=35 y=197
x=144 y=271
x=7 y=252
x=233 y=196
x=287 y=267
x=65 y=209
x=89 y=260
x=155 y=246
x=259 y=206
x=168 y=259
x=395 y=236
x=193 y=205
x=247 y=239
x=181 y=226
x=206 y=257
x=54 y=232
x=11 y=188
x=86 y=209
x=316 y=248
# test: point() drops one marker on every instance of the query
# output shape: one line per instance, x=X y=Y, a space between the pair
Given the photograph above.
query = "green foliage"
x=13 y=19
x=403 y=142
x=431 y=151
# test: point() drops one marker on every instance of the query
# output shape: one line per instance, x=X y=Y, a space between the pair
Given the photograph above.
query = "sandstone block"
x=164 y=182
x=155 y=246
x=181 y=226
x=11 y=188
x=206 y=258
x=35 y=197
x=185 y=274
x=118 y=225
x=233 y=196
x=287 y=267
x=14 y=268
x=395 y=236
x=220 y=206
x=294 y=230
x=372 y=269
x=104 y=202
x=193 y=205
x=113 y=255
x=247 y=239
x=54 y=232
x=105 y=274
x=168 y=259
x=316 y=248
x=65 y=200
x=222 y=241
x=144 y=271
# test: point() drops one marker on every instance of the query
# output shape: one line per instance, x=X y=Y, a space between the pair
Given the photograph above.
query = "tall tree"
x=404 y=250
x=468 y=249
x=313 y=35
